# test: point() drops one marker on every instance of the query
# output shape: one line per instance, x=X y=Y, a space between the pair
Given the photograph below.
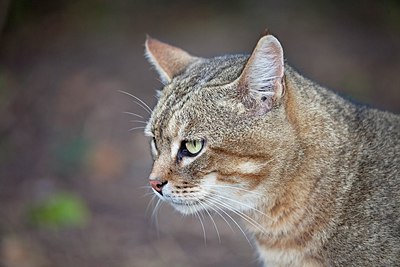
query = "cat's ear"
x=168 y=60
x=261 y=83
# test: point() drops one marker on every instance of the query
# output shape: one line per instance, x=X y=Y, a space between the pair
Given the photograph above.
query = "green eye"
x=190 y=148
x=194 y=147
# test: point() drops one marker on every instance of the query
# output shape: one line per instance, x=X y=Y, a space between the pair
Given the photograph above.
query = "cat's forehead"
x=214 y=71
x=192 y=95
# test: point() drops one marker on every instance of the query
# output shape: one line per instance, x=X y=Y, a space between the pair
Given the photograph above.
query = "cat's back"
x=364 y=177
x=377 y=134
x=369 y=225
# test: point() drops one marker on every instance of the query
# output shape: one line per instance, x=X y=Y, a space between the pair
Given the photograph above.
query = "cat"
x=315 y=178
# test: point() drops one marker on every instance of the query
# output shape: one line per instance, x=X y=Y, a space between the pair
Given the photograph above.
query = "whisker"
x=136 y=128
x=145 y=122
x=241 y=203
x=233 y=187
x=233 y=220
x=140 y=103
x=202 y=226
x=242 y=215
x=155 y=212
x=150 y=203
x=155 y=208
x=133 y=114
x=216 y=211
x=196 y=214
x=148 y=194
x=145 y=186
x=205 y=207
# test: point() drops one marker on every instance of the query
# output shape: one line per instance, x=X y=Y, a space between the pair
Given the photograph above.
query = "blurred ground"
x=71 y=174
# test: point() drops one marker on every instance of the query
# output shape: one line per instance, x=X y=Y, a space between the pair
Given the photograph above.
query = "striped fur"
x=314 y=177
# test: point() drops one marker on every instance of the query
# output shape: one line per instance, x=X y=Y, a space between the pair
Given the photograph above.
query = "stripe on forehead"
x=175 y=128
x=180 y=90
x=167 y=112
x=198 y=77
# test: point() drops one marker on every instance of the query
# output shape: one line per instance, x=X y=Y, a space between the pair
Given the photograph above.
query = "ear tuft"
x=168 y=60
x=265 y=33
x=261 y=82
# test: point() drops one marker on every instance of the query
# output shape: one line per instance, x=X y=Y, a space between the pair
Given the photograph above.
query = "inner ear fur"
x=168 y=60
x=261 y=83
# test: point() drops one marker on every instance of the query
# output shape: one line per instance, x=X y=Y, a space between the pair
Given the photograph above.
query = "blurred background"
x=72 y=175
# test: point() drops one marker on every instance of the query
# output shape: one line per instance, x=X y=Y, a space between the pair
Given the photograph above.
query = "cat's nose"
x=157 y=185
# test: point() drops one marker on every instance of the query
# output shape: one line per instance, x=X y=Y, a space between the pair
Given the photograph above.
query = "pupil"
x=189 y=149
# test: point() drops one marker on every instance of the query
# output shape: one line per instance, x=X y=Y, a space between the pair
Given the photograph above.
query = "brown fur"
x=314 y=176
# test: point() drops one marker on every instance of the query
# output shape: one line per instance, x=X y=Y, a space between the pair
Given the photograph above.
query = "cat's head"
x=215 y=136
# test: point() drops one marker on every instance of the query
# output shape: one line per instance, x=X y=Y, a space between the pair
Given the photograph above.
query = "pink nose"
x=157 y=185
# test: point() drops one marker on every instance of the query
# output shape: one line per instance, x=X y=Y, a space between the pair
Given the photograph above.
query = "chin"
x=187 y=209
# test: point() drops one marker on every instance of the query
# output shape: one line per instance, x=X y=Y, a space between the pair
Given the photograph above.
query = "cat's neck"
x=311 y=99
x=318 y=136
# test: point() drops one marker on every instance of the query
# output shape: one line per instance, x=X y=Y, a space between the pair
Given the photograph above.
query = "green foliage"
x=58 y=211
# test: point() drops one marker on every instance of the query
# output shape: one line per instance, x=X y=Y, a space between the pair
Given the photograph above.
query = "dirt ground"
x=63 y=130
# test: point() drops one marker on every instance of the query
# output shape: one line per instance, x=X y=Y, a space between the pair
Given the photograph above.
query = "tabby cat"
x=315 y=177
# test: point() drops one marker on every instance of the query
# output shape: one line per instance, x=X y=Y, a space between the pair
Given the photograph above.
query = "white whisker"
x=196 y=213
x=205 y=207
x=217 y=205
x=136 y=128
x=145 y=122
x=145 y=186
x=233 y=187
x=133 y=114
x=150 y=203
x=154 y=215
x=202 y=226
x=241 y=214
x=148 y=194
x=216 y=211
x=140 y=103
x=240 y=203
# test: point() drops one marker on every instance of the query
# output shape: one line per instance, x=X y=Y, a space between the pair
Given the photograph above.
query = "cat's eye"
x=190 y=148
x=194 y=147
